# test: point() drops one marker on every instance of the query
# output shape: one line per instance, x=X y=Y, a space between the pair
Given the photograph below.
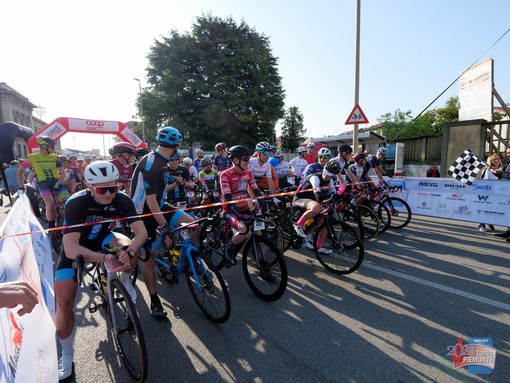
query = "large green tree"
x=293 y=129
x=218 y=82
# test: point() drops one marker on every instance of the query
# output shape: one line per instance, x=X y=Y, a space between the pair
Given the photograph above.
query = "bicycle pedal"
x=93 y=307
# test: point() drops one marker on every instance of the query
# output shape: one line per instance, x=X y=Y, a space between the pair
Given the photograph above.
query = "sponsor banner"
x=90 y=126
x=130 y=136
x=27 y=343
x=484 y=201
x=53 y=131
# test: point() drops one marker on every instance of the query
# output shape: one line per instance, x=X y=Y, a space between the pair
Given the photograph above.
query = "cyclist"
x=299 y=164
x=309 y=202
x=188 y=163
x=180 y=181
x=200 y=154
x=374 y=162
x=101 y=201
x=234 y=186
x=50 y=175
x=310 y=156
x=69 y=178
x=360 y=170
x=316 y=167
x=263 y=171
x=283 y=170
x=344 y=157
x=221 y=161
x=139 y=154
x=125 y=153
x=209 y=179
x=148 y=191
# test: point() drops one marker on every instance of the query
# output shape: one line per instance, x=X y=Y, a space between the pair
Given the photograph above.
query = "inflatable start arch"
x=63 y=125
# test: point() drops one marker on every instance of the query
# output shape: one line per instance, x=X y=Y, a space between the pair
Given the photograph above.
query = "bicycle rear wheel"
x=400 y=212
x=264 y=268
x=127 y=331
x=369 y=219
x=208 y=288
x=274 y=233
x=383 y=213
x=342 y=250
x=213 y=242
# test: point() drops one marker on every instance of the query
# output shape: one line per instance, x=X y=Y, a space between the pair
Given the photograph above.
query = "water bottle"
x=105 y=283
x=308 y=223
x=175 y=256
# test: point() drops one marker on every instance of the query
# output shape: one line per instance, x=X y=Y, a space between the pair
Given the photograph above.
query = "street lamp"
x=141 y=106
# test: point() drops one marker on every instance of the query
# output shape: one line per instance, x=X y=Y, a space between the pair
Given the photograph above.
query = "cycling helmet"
x=206 y=161
x=278 y=154
x=123 y=147
x=263 y=147
x=169 y=137
x=110 y=151
x=187 y=161
x=100 y=171
x=324 y=152
x=141 y=152
x=344 y=148
x=45 y=140
x=311 y=145
x=219 y=146
x=359 y=156
x=63 y=159
x=383 y=150
x=239 y=151
x=301 y=149
x=199 y=152
x=331 y=168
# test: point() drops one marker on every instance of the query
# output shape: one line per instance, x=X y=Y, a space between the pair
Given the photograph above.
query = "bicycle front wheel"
x=400 y=212
x=213 y=242
x=208 y=288
x=383 y=213
x=369 y=219
x=264 y=268
x=127 y=331
x=342 y=250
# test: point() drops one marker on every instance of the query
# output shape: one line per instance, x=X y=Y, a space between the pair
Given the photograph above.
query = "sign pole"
x=356 y=77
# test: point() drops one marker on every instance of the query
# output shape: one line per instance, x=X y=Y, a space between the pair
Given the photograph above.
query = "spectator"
x=310 y=156
x=490 y=173
x=17 y=293
x=11 y=176
x=505 y=174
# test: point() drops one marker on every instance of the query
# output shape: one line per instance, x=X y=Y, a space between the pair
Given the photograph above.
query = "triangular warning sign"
x=357 y=116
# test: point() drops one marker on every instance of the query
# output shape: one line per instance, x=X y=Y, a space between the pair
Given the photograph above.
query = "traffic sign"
x=357 y=116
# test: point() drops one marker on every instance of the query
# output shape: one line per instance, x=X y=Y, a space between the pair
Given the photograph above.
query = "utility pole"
x=356 y=76
x=141 y=106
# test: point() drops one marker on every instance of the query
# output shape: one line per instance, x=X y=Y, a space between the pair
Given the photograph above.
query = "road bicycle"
x=203 y=278
x=359 y=216
x=263 y=264
x=120 y=309
x=399 y=209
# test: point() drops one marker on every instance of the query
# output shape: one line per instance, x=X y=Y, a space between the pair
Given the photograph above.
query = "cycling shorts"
x=302 y=203
x=65 y=268
x=46 y=188
x=151 y=224
x=232 y=219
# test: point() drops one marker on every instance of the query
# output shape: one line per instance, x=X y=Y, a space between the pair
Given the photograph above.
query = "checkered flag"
x=466 y=167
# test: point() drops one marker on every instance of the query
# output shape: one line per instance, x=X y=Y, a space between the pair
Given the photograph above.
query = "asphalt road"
x=418 y=290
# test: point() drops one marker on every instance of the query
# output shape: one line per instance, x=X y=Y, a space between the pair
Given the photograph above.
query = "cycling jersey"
x=315 y=181
x=125 y=172
x=45 y=165
x=221 y=163
x=209 y=179
x=237 y=185
x=177 y=196
x=282 y=169
x=312 y=169
x=261 y=173
x=372 y=162
x=193 y=173
x=298 y=166
x=310 y=158
x=69 y=176
x=343 y=164
x=197 y=165
x=358 y=171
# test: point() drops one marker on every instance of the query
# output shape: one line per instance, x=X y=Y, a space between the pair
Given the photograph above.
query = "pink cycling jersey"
x=237 y=185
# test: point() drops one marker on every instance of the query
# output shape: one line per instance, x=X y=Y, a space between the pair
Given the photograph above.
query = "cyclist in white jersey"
x=260 y=167
x=299 y=164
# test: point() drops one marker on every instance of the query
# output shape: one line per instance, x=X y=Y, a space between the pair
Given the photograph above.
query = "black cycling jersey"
x=314 y=181
x=81 y=208
x=179 y=193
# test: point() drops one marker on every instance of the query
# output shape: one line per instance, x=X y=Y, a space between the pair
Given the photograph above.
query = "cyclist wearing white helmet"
x=262 y=169
x=99 y=203
x=374 y=162
x=316 y=167
x=199 y=155
x=299 y=164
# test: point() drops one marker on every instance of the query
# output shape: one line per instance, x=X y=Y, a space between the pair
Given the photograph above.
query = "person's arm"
x=17 y=293
x=153 y=205
x=381 y=170
x=19 y=173
x=378 y=174
x=141 y=235
x=62 y=175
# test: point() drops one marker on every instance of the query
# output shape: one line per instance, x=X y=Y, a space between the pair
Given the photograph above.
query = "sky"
x=79 y=59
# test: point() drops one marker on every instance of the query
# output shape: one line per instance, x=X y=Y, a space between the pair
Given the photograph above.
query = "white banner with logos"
x=27 y=344
x=484 y=201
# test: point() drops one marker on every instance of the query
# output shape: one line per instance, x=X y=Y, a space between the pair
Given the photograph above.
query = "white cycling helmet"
x=187 y=161
x=324 y=152
x=383 y=150
x=301 y=149
x=100 y=171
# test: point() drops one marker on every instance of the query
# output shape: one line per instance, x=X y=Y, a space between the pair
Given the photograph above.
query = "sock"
x=320 y=241
x=124 y=278
x=309 y=237
x=301 y=221
x=67 y=344
x=155 y=298
x=51 y=224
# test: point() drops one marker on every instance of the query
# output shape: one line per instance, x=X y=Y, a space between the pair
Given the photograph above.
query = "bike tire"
x=208 y=288
x=290 y=238
x=127 y=331
x=274 y=233
x=346 y=246
x=213 y=242
x=268 y=277
x=370 y=221
x=400 y=212
x=383 y=213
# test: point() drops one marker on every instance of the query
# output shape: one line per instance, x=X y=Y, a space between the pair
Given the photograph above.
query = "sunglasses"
x=266 y=153
x=323 y=157
x=104 y=189
x=382 y=155
x=245 y=159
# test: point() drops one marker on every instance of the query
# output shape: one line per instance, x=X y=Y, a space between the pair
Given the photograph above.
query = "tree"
x=293 y=129
x=217 y=83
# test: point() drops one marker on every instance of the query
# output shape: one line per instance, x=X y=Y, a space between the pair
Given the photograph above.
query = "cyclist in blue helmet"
x=169 y=137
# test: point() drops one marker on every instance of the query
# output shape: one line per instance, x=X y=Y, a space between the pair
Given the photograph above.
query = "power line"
x=449 y=86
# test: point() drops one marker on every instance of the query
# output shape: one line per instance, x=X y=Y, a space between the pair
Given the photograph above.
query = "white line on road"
x=461 y=293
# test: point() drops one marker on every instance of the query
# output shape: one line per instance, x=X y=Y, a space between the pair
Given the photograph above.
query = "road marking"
x=461 y=293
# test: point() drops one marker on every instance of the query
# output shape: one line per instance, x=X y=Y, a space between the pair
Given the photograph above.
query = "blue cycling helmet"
x=169 y=137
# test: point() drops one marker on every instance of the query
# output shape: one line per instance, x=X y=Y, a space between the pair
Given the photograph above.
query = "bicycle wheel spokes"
x=342 y=250
x=264 y=268
x=212 y=242
x=127 y=332
x=369 y=219
x=383 y=214
x=208 y=288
